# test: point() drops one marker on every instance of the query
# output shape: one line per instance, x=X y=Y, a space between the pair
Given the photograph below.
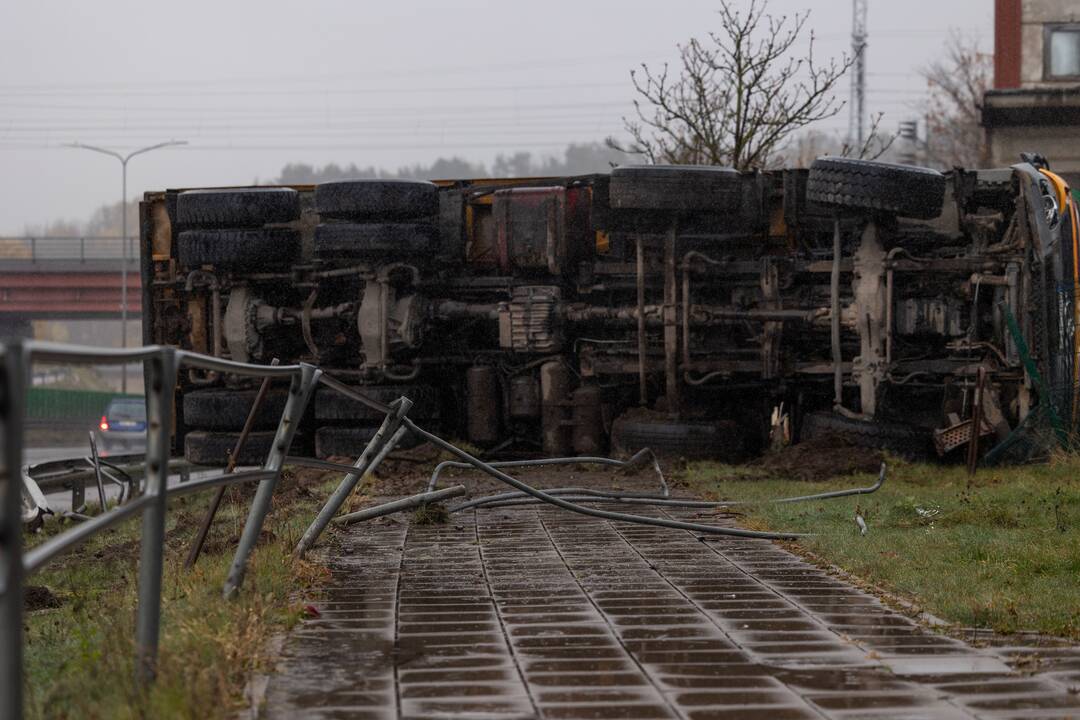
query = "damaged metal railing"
x=383 y=442
x=591 y=495
x=639 y=460
x=379 y=447
x=162 y=365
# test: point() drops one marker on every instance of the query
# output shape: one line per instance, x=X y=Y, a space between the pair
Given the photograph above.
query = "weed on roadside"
x=79 y=655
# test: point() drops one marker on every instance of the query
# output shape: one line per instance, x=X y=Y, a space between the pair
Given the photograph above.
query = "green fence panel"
x=76 y=405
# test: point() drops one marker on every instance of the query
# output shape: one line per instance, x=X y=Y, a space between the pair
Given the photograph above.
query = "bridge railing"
x=81 y=249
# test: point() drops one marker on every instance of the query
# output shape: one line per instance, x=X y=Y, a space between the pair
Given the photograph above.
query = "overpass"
x=66 y=278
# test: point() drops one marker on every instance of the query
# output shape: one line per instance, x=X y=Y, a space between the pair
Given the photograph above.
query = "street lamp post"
x=123 y=232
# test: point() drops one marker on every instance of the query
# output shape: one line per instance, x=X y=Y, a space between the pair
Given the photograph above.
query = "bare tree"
x=736 y=97
x=957 y=82
x=811 y=144
x=877 y=143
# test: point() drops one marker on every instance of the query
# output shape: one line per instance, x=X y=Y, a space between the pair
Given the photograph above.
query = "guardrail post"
x=389 y=427
x=299 y=394
x=160 y=386
x=13 y=376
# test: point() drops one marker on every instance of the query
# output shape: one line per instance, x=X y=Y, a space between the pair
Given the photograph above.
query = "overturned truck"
x=699 y=311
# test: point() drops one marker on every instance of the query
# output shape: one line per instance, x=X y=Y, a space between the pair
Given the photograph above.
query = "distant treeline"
x=577 y=159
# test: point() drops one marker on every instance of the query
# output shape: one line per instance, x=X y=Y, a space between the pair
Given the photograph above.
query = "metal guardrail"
x=74 y=473
x=82 y=249
x=162 y=365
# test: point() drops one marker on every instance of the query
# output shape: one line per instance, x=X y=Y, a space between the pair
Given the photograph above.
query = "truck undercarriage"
x=674 y=307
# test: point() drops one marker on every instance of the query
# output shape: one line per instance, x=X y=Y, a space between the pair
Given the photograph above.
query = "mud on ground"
x=407 y=472
x=821 y=459
x=39 y=597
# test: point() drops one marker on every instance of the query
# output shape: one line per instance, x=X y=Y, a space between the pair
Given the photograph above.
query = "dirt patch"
x=130 y=549
x=39 y=597
x=401 y=473
x=413 y=466
x=821 y=458
x=217 y=543
x=295 y=484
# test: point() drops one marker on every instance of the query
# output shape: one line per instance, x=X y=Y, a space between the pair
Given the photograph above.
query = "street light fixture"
x=123 y=232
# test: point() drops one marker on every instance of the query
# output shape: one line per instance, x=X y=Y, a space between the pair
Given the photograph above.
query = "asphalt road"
x=32 y=456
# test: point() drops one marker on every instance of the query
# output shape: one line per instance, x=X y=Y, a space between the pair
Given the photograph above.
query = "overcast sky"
x=254 y=85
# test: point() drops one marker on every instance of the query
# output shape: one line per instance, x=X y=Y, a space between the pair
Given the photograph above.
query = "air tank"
x=524 y=397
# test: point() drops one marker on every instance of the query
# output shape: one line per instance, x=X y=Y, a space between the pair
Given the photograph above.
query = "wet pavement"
x=535 y=612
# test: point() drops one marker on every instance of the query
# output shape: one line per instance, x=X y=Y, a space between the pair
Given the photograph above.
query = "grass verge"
x=1001 y=551
x=79 y=656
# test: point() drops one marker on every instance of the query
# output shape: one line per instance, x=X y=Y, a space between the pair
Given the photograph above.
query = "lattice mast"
x=857 y=106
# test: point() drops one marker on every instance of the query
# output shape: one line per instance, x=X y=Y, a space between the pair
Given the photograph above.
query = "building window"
x=1062 y=52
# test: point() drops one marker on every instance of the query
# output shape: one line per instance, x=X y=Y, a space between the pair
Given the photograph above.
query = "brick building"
x=1034 y=105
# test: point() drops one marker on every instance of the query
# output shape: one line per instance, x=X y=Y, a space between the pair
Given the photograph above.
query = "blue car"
x=122 y=428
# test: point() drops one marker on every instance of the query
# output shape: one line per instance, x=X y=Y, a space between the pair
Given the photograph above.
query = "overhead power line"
x=474 y=108
x=306 y=91
x=444 y=147
x=503 y=66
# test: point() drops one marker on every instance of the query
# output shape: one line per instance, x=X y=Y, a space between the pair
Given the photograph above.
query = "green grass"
x=1001 y=552
x=79 y=657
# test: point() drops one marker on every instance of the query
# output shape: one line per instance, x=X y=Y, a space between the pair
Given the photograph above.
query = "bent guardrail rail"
x=162 y=366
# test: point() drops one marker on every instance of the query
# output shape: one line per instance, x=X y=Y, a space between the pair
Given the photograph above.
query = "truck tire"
x=375 y=240
x=903 y=190
x=675 y=187
x=377 y=199
x=212 y=448
x=331 y=405
x=250 y=249
x=905 y=440
x=696 y=439
x=237 y=208
x=222 y=409
x=349 y=442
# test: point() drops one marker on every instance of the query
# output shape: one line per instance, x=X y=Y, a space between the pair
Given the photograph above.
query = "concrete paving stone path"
x=535 y=612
